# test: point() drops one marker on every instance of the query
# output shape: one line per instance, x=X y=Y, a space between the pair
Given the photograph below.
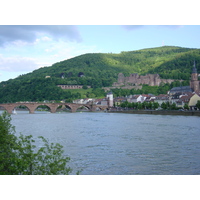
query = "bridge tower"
x=110 y=99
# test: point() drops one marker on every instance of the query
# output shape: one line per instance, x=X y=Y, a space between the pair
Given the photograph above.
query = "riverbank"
x=159 y=112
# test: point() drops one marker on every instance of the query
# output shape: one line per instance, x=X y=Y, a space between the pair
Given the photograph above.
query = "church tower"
x=194 y=83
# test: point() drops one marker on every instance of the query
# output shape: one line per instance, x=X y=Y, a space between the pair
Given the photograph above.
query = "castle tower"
x=194 y=83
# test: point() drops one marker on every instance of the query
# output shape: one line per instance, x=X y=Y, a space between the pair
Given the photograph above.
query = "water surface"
x=120 y=144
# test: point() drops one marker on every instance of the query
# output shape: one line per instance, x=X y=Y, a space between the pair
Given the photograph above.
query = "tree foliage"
x=20 y=155
x=198 y=104
x=168 y=106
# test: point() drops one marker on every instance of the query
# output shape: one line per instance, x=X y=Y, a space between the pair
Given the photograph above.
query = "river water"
x=120 y=144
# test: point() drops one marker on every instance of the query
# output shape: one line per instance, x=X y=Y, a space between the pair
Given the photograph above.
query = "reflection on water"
x=112 y=143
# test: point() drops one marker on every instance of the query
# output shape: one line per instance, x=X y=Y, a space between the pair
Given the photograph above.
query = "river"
x=120 y=144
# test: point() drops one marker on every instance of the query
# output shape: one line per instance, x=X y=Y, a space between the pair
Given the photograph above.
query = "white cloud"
x=30 y=33
x=17 y=64
x=42 y=53
x=45 y=38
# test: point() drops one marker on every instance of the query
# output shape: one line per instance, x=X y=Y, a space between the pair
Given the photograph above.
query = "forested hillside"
x=99 y=70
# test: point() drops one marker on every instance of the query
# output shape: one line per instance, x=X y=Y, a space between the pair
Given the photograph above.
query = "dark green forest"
x=101 y=70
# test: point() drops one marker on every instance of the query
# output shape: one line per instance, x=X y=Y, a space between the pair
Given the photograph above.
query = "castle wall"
x=135 y=79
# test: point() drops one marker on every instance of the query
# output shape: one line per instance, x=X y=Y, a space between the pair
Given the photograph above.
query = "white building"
x=136 y=98
x=109 y=96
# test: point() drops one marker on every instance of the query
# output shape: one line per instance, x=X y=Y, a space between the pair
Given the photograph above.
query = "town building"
x=136 y=98
x=184 y=99
x=193 y=101
x=180 y=90
x=83 y=101
x=162 y=98
x=109 y=97
x=194 y=82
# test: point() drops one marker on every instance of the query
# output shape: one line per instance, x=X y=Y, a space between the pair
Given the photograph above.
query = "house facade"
x=193 y=101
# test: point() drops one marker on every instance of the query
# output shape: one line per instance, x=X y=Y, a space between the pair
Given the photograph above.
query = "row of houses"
x=107 y=101
x=180 y=99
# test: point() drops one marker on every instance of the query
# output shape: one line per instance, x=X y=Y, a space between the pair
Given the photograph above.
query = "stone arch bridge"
x=32 y=106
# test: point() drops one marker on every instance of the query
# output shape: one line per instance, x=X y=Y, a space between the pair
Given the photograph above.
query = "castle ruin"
x=136 y=80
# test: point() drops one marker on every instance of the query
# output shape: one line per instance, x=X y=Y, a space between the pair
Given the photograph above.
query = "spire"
x=194 y=70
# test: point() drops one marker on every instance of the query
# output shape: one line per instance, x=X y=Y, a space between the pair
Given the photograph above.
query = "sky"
x=24 y=48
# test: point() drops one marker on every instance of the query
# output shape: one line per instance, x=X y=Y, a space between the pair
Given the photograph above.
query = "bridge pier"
x=53 y=109
x=31 y=111
x=93 y=108
x=9 y=110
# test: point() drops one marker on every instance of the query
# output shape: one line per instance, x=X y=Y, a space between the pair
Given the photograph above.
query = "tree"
x=186 y=107
x=164 y=106
x=85 y=87
x=20 y=155
x=173 y=106
x=155 y=105
x=139 y=106
x=8 y=145
x=198 y=104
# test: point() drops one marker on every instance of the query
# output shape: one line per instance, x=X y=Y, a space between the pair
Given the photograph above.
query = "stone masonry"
x=135 y=80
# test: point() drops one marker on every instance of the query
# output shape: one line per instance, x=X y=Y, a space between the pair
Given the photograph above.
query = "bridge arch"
x=11 y=106
x=43 y=107
x=22 y=107
x=83 y=108
x=67 y=108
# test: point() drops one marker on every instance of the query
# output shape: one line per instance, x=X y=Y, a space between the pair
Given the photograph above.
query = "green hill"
x=99 y=70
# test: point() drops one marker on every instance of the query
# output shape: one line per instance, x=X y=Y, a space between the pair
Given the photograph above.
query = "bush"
x=20 y=155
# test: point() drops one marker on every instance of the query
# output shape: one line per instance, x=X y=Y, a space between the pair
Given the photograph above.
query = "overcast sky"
x=24 y=48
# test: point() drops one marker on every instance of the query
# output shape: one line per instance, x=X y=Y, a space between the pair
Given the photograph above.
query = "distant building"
x=193 y=101
x=83 y=101
x=180 y=90
x=184 y=99
x=103 y=102
x=109 y=97
x=119 y=100
x=161 y=98
x=193 y=87
x=194 y=82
